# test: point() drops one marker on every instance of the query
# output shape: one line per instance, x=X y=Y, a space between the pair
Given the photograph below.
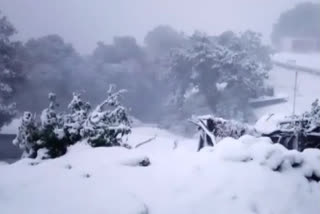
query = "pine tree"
x=46 y=136
x=108 y=123
x=27 y=136
x=52 y=136
x=10 y=68
x=74 y=121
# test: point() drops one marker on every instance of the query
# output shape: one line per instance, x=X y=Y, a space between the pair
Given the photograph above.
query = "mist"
x=145 y=48
x=83 y=23
x=159 y=106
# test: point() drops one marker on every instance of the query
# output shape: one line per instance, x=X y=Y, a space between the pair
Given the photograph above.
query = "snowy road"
x=283 y=81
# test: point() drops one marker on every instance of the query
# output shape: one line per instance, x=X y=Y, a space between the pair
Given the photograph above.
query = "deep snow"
x=234 y=177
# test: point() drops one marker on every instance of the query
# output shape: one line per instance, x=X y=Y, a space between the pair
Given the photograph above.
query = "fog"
x=176 y=58
x=211 y=106
x=83 y=23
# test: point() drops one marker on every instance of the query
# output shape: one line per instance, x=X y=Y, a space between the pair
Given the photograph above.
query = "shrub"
x=49 y=137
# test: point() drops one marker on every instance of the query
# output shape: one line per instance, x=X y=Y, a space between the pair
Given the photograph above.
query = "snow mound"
x=269 y=123
x=249 y=175
x=273 y=156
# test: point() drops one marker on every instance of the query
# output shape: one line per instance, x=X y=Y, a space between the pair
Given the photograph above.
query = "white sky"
x=84 y=22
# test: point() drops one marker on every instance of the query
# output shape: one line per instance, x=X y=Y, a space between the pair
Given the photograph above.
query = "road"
x=308 y=89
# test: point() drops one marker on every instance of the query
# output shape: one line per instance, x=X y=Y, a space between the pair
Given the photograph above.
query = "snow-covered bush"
x=49 y=137
x=108 y=122
x=298 y=132
x=215 y=129
x=228 y=128
x=314 y=115
x=74 y=121
x=303 y=129
x=27 y=135
x=46 y=135
x=51 y=130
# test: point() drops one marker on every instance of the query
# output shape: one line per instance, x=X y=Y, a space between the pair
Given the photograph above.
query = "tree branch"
x=145 y=142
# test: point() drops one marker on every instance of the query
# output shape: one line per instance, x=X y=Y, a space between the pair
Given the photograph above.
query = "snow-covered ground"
x=245 y=176
x=308 y=90
x=248 y=176
x=305 y=60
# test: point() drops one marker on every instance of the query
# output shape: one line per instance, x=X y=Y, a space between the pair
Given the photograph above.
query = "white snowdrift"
x=242 y=176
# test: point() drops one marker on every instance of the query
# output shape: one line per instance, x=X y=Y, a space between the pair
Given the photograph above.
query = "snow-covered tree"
x=226 y=70
x=27 y=136
x=108 y=123
x=10 y=69
x=52 y=137
x=46 y=136
x=161 y=39
x=51 y=65
x=74 y=121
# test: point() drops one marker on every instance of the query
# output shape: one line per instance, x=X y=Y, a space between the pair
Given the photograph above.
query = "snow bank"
x=243 y=176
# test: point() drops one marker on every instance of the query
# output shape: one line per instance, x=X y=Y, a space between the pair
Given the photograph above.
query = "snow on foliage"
x=25 y=136
x=74 y=121
x=106 y=125
x=108 y=122
x=227 y=69
x=298 y=132
x=313 y=115
x=45 y=135
x=9 y=70
x=222 y=128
